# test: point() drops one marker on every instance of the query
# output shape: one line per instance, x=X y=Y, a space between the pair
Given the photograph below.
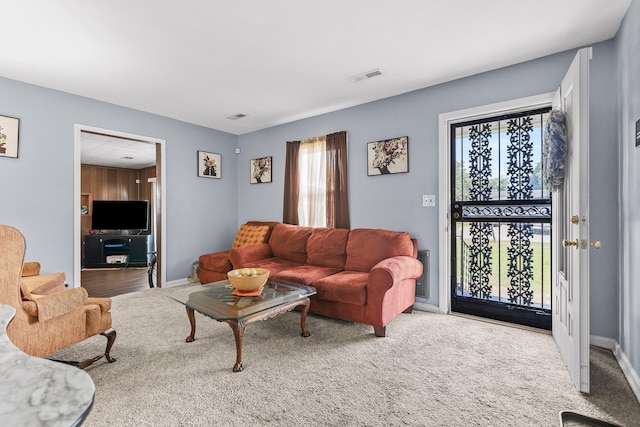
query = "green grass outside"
x=541 y=263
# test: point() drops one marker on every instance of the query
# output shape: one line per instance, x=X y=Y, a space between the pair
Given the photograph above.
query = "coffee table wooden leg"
x=192 y=320
x=238 y=331
x=303 y=318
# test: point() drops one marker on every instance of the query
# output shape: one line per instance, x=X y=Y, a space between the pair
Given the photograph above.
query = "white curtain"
x=313 y=182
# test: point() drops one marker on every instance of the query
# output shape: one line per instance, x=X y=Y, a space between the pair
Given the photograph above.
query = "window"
x=315 y=191
x=312 y=206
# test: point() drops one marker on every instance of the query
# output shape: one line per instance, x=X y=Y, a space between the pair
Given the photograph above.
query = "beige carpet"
x=432 y=370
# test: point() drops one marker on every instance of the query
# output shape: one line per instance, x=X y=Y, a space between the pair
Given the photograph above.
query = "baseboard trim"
x=174 y=283
x=623 y=361
x=423 y=306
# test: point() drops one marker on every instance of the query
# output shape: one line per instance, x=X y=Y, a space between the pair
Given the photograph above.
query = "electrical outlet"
x=428 y=200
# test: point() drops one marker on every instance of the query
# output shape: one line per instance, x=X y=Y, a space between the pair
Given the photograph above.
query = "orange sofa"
x=361 y=275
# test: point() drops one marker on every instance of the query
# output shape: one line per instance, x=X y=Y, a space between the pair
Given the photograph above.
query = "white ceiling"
x=201 y=61
x=105 y=150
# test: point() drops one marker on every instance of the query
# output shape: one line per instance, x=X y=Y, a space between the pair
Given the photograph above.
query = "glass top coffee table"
x=215 y=300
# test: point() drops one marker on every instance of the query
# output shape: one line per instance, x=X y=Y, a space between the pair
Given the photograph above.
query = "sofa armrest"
x=217 y=261
x=246 y=254
x=390 y=271
x=46 y=307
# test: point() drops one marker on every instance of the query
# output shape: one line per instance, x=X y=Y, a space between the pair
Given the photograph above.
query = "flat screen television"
x=120 y=215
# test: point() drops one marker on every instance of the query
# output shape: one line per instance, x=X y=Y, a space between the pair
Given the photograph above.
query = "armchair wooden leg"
x=381 y=331
x=111 y=337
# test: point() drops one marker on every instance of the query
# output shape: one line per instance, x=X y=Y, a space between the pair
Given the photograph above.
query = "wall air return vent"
x=422 y=282
x=365 y=76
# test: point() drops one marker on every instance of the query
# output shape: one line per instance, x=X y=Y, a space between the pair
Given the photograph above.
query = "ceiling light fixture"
x=366 y=75
x=237 y=116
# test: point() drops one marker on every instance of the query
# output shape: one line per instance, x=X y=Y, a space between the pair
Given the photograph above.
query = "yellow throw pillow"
x=250 y=235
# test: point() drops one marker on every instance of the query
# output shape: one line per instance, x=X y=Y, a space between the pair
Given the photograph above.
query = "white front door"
x=570 y=242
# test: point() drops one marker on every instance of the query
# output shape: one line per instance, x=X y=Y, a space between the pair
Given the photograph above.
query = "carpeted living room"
x=431 y=207
x=431 y=370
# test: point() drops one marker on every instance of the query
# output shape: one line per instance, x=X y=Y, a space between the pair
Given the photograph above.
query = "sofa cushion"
x=366 y=247
x=250 y=235
x=42 y=284
x=349 y=287
x=306 y=274
x=274 y=265
x=327 y=247
x=289 y=242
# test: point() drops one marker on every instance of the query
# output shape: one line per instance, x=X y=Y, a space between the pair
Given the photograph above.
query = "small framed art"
x=9 y=128
x=261 y=170
x=388 y=156
x=209 y=165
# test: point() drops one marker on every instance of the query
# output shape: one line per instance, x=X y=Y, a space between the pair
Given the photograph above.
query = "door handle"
x=596 y=244
x=567 y=243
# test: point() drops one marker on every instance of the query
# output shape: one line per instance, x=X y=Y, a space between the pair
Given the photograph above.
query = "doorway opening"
x=475 y=213
x=128 y=169
x=501 y=219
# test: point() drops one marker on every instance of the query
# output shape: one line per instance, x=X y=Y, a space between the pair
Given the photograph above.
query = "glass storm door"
x=501 y=218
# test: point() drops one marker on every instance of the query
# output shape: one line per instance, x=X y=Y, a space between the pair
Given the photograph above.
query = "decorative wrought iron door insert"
x=501 y=219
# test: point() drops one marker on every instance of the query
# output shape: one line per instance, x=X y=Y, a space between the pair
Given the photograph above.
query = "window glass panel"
x=313 y=179
x=493 y=139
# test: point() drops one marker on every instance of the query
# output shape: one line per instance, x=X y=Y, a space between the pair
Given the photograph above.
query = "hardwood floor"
x=109 y=282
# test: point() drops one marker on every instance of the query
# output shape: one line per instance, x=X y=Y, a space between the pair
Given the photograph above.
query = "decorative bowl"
x=248 y=279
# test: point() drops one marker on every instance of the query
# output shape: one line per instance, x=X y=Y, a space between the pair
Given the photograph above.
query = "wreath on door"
x=554 y=150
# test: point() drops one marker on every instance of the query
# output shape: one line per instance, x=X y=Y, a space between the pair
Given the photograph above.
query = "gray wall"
x=395 y=202
x=603 y=197
x=37 y=188
x=628 y=90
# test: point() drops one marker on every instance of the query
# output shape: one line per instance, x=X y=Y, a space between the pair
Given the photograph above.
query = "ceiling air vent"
x=237 y=116
x=365 y=76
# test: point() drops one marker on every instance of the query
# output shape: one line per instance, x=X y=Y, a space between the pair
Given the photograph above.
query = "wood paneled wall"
x=145 y=185
x=107 y=183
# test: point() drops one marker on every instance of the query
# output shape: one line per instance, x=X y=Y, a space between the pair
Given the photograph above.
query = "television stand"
x=107 y=250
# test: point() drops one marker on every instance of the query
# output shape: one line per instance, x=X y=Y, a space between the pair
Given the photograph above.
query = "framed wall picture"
x=260 y=170
x=209 y=165
x=9 y=128
x=388 y=156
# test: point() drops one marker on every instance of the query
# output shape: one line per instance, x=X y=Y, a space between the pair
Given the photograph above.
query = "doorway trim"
x=77 y=250
x=444 y=125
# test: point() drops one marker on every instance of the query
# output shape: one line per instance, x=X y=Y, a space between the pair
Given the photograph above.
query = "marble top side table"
x=36 y=391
